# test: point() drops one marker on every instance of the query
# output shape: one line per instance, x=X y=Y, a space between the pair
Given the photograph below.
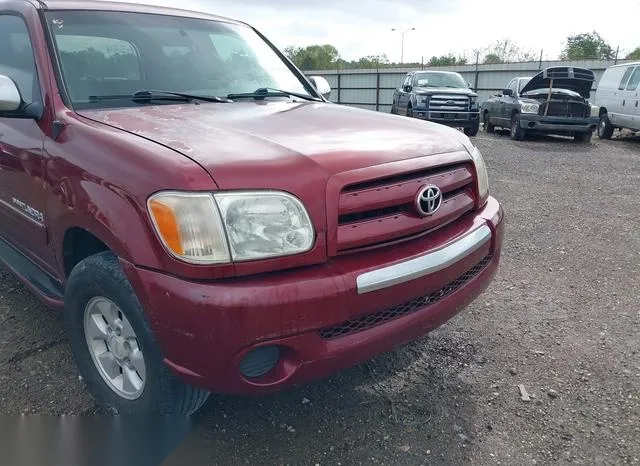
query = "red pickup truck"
x=207 y=219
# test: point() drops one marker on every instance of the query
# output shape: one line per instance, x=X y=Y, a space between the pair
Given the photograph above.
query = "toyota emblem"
x=429 y=200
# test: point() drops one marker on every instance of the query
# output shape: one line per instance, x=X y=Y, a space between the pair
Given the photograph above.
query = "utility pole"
x=402 y=33
x=540 y=62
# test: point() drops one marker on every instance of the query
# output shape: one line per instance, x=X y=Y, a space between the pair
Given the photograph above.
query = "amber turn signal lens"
x=167 y=225
x=189 y=226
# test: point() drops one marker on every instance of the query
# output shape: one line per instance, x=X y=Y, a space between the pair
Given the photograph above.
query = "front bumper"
x=458 y=119
x=562 y=125
x=322 y=318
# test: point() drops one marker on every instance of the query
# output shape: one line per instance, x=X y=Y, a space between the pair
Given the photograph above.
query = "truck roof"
x=106 y=5
x=634 y=63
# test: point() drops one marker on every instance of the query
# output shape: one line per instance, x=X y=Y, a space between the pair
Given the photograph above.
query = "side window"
x=635 y=80
x=625 y=78
x=407 y=81
x=511 y=85
x=521 y=84
x=17 y=60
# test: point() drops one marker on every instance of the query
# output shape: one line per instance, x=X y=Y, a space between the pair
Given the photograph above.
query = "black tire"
x=163 y=393
x=488 y=127
x=584 y=138
x=605 y=128
x=409 y=111
x=472 y=130
x=518 y=133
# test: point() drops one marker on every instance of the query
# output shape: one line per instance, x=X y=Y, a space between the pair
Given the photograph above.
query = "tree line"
x=586 y=46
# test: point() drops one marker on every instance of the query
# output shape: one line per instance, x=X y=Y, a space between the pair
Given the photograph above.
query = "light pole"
x=402 y=33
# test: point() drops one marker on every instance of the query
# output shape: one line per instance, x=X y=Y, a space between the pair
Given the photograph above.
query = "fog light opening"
x=532 y=124
x=260 y=361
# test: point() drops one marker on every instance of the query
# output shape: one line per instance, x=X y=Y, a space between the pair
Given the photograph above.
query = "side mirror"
x=12 y=105
x=507 y=92
x=10 y=99
x=322 y=86
x=407 y=88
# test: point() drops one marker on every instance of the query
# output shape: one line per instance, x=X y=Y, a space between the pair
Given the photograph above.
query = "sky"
x=363 y=27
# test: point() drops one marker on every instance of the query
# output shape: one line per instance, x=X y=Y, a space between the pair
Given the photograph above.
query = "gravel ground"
x=561 y=319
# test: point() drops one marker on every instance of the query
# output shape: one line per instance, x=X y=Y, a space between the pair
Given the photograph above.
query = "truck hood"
x=251 y=144
x=443 y=90
x=579 y=80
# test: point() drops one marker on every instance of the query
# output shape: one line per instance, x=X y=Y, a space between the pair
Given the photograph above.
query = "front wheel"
x=473 y=129
x=488 y=127
x=409 y=111
x=114 y=347
x=605 y=128
x=518 y=133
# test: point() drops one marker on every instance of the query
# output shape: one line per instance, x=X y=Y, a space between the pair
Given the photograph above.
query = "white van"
x=618 y=96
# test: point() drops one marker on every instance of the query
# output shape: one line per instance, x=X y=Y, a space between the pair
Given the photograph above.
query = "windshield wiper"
x=149 y=95
x=261 y=93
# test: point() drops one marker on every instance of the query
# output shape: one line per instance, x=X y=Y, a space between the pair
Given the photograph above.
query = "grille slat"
x=565 y=109
x=449 y=103
x=366 y=322
x=377 y=212
x=402 y=224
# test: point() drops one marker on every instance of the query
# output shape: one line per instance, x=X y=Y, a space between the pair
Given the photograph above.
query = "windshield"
x=440 y=80
x=118 y=54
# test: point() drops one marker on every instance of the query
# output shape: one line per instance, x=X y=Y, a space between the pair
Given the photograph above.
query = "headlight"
x=189 y=226
x=529 y=108
x=478 y=162
x=205 y=228
x=265 y=224
x=474 y=102
x=481 y=170
x=422 y=100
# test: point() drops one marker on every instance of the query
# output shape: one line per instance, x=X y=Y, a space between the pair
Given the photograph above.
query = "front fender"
x=99 y=178
x=107 y=213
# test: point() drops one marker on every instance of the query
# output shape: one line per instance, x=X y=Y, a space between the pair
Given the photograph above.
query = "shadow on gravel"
x=403 y=407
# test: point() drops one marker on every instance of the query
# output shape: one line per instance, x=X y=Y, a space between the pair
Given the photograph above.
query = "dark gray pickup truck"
x=440 y=96
x=553 y=102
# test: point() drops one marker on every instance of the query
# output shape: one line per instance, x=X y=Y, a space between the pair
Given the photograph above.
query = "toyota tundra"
x=207 y=219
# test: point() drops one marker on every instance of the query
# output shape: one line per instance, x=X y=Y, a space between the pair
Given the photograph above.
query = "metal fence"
x=373 y=89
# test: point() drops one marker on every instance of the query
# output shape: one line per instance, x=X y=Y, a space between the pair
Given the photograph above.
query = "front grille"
x=448 y=103
x=377 y=212
x=565 y=109
x=371 y=320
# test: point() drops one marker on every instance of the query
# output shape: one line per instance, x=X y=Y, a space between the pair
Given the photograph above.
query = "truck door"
x=405 y=96
x=22 y=185
x=632 y=118
x=507 y=103
x=619 y=111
